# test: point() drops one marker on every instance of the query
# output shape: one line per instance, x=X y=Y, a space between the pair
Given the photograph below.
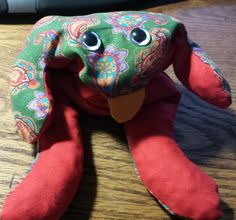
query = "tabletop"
x=109 y=187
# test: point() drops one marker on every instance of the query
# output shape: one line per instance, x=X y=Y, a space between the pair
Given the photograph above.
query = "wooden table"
x=109 y=188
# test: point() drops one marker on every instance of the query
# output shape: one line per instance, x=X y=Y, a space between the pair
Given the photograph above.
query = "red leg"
x=49 y=188
x=165 y=171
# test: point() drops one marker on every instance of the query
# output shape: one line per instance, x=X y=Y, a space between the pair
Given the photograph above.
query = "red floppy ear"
x=197 y=71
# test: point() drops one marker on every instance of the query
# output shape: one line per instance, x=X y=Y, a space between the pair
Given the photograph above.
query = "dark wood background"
x=109 y=188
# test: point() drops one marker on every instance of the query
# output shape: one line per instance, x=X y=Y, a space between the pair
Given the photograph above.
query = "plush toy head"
x=108 y=63
x=114 y=53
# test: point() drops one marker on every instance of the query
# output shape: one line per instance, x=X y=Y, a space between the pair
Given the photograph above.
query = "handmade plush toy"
x=110 y=64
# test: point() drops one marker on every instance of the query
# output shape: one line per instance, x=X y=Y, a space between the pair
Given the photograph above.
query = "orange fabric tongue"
x=125 y=107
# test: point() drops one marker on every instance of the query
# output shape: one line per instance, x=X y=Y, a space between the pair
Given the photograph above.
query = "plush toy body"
x=110 y=64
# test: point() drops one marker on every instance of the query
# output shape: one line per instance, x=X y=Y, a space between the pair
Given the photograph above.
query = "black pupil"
x=138 y=35
x=90 y=39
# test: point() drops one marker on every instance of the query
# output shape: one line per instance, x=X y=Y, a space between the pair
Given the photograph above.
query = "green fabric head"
x=115 y=53
x=123 y=63
x=120 y=65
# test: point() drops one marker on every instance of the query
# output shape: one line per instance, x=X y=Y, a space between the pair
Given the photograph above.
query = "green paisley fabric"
x=121 y=68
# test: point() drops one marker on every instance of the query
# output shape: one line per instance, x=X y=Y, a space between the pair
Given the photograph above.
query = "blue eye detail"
x=91 y=41
x=140 y=37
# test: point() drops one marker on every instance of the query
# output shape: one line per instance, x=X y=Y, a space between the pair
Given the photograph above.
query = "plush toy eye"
x=140 y=37
x=91 y=41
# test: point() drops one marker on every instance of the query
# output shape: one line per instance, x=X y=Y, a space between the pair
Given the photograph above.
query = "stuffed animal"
x=110 y=64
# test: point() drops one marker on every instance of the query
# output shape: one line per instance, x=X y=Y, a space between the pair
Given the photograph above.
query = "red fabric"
x=90 y=100
x=162 y=166
x=50 y=186
x=166 y=172
x=197 y=76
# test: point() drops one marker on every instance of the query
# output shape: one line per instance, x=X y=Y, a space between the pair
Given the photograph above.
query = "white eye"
x=91 y=41
x=140 y=37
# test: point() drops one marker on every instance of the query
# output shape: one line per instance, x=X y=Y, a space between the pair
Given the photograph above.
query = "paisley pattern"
x=40 y=105
x=51 y=47
x=149 y=61
x=108 y=66
x=77 y=26
x=44 y=21
x=157 y=18
x=23 y=76
x=51 y=43
x=120 y=67
x=26 y=127
x=126 y=23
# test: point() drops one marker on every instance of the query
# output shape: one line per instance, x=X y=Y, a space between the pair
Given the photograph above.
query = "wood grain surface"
x=110 y=188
